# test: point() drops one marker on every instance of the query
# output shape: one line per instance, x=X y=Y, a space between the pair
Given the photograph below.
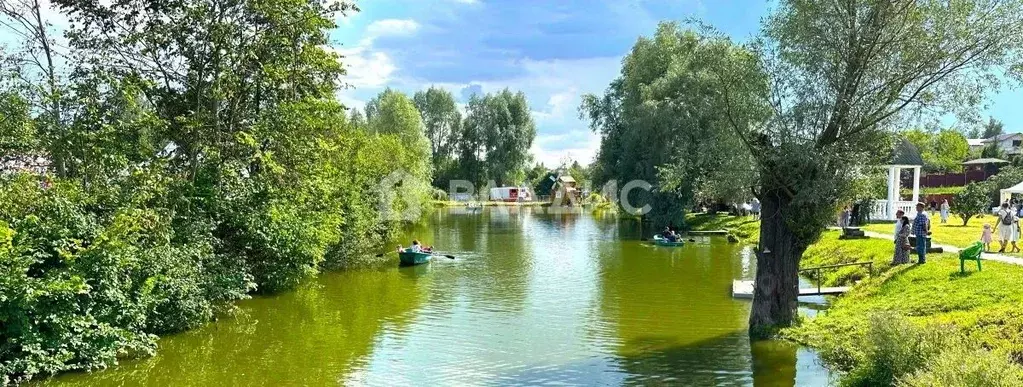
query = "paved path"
x=952 y=249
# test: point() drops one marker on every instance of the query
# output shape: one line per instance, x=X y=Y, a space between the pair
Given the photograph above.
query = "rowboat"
x=409 y=258
x=660 y=241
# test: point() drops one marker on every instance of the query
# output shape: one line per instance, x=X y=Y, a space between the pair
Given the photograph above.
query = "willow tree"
x=843 y=76
x=662 y=121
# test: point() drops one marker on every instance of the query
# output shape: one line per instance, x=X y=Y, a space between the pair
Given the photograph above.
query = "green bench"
x=971 y=253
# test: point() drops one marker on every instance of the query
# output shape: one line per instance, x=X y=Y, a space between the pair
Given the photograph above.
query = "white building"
x=1010 y=143
x=976 y=144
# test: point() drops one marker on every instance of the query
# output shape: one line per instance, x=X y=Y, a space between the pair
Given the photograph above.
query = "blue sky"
x=553 y=50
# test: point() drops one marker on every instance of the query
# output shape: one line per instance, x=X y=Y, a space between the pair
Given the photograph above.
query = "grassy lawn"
x=918 y=325
x=830 y=250
x=743 y=227
x=980 y=311
x=951 y=233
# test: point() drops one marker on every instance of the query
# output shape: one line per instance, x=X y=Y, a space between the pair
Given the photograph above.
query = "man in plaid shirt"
x=921 y=228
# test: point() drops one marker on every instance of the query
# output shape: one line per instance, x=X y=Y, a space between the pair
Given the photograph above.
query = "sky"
x=553 y=50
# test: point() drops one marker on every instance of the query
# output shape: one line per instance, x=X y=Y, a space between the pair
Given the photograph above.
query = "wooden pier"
x=744 y=289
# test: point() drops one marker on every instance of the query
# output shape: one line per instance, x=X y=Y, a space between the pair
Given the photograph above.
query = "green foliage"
x=17 y=130
x=829 y=250
x=745 y=228
x=942 y=151
x=833 y=103
x=974 y=199
x=495 y=139
x=993 y=128
x=894 y=349
x=443 y=126
x=1006 y=178
x=202 y=157
x=661 y=121
x=963 y=366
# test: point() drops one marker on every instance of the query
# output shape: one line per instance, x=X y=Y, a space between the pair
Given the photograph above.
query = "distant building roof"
x=24 y=163
x=1003 y=137
x=905 y=153
x=985 y=161
x=976 y=141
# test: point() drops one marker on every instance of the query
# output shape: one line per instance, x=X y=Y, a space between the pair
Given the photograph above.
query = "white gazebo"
x=904 y=156
x=1006 y=194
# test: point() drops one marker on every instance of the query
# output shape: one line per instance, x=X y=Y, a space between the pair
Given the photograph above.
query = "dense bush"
x=172 y=193
x=91 y=273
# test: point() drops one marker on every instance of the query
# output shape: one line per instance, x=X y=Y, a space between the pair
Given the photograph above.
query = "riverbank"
x=911 y=324
x=908 y=324
x=744 y=228
x=453 y=203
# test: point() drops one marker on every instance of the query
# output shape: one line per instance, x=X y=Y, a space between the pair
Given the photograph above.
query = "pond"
x=532 y=298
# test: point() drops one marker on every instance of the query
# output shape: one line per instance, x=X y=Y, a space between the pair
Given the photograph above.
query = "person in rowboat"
x=669 y=235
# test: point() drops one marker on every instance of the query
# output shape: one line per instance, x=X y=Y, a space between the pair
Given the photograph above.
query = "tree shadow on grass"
x=956 y=275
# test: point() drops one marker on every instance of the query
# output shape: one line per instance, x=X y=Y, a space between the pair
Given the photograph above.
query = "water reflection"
x=532 y=298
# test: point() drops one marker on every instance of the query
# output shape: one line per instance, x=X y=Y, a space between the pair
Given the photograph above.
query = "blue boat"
x=660 y=241
x=409 y=258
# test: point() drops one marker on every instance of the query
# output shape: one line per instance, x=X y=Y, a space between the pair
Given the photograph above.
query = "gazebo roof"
x=905 y=153
x=986 y=161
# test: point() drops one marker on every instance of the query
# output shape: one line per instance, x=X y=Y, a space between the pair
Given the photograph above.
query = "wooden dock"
x=708 y=232
x=744 y=289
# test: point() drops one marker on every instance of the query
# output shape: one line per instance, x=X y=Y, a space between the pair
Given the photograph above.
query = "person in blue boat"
x=416 y=248
x=669 y=235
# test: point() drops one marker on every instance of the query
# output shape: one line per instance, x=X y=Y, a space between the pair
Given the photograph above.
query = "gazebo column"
x=916 y=185
x=893 y=191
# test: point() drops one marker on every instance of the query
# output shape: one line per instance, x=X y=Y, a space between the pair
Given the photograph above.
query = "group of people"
x=751 y=208
x=1007 y=226
x=670 y=235
x=920 y=227
x=416 y=248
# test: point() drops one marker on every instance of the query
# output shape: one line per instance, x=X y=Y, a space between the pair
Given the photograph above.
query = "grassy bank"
x=830 y=250
x=453 y=203
x=952 y=233
x=743 y=227
x=915 y=324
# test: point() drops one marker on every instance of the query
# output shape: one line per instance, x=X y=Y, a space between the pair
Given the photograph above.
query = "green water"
x=532 y=299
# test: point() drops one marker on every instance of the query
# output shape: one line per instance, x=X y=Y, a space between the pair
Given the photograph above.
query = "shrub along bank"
x=93 y=270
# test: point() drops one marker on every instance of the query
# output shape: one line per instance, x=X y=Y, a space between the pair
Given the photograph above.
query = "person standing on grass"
x=755 y=208
x=899 y=222
x=921 y=228
x=1006 y=225
x=902 y=246
x=944 y=211
x=987 y=237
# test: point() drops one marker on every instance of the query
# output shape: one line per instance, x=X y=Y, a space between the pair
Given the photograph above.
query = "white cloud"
x=365 y=67
x=552 y=151
x=467 y=1
x=392 y=27
x=368 y=67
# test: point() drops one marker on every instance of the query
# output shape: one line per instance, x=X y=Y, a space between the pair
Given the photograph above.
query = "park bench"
x=971 y=253
x=930 y=249
x=852 y=233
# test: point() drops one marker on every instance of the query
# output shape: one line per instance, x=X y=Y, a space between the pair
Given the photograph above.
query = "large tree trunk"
x=777 y=281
